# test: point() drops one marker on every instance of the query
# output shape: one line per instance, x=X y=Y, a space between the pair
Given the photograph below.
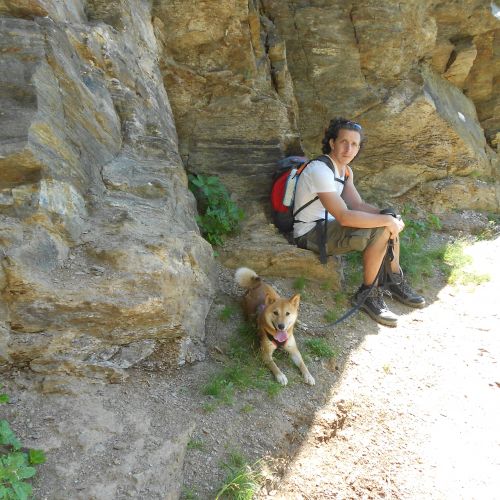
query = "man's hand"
x=396 y=226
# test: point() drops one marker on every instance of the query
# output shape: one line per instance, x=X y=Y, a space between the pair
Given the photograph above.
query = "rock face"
x=102 y=261
x=247 y=78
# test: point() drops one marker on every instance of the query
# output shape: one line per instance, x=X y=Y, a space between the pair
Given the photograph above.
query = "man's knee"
x=360 y=239
x=379 y=233
x=376 y=234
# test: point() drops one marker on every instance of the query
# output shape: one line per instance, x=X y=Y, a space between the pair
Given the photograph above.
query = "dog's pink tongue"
x=281 y=336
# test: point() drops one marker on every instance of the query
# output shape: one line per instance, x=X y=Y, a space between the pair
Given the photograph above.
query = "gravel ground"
x=422 y=405
x=407 y=412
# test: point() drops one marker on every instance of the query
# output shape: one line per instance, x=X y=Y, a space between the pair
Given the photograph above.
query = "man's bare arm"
x=357 y=218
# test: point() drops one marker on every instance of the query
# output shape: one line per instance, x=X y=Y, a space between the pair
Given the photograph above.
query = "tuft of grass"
x=326 y=285
x=195 y=444
x=220 y=389
x=247 y=408
x=458 y=261
x=299 y=284
x=244 y=369
x=353 y=269
x=189 y=494
x=320 y=348
x=331 y=315
x=242 y=480
x=492 y=229
x=341 y=304
x=226 y=313
x=209 y=407
x=273 y=388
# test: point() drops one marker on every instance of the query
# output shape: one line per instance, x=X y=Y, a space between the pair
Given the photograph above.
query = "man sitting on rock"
x=352 y=223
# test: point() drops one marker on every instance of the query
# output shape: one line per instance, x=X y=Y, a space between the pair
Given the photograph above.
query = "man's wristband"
x=390 y=211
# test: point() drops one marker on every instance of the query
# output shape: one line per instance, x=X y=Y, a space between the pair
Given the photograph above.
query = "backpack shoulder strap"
x=299 y=171
x=328 y=161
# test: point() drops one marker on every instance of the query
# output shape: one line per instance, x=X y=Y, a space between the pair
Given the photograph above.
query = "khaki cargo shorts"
x=340 y=239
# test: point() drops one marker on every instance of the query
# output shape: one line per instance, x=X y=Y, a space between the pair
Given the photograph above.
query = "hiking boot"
x=375 y=306
x=401 y=291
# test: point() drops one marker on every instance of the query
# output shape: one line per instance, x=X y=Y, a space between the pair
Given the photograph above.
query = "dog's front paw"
x=281 y=378
x=309 y=379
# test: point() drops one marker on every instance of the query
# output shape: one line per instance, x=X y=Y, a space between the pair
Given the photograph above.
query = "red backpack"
x=283 y=191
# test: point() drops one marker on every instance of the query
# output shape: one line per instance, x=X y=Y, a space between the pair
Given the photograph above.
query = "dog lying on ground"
x=276 y=318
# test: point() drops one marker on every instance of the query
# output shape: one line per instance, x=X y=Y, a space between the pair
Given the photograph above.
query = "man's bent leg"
x=399 y=286
x=374 y=254
x=373 y=244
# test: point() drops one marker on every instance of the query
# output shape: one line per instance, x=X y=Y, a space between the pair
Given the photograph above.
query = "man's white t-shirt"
x=316 y=178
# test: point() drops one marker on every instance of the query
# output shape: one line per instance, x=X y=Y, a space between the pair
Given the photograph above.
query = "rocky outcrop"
x=102 y=260
x=419 y=76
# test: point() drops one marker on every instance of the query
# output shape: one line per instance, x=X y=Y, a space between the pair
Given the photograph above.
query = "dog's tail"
x=246 y=278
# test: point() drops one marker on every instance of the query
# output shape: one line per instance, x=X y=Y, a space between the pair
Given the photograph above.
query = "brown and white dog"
x=276 y=318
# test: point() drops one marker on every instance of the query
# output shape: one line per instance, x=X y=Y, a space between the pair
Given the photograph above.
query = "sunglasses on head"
x=354 y=125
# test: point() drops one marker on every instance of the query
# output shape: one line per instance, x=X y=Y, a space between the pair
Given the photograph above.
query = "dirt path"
x=406 y=413
x=421 y=405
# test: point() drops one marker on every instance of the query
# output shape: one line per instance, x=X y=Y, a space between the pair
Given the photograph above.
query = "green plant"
x=492 y=228
x=416 y=258
x=320 y=348
x=226 y=313
x=242 y=481
x=220 y=389
x=299 y=284
x=189 y=493
x=243 y=370
x=195 y=444
x=331 y=315
x=219 y=215
x=458 y=261
x=353 y=269
x=340 y=305
x=326 y=285
x=209 y=407
x=247 y=408
x=16 y=463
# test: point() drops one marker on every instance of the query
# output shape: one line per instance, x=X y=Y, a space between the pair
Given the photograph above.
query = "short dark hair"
x=334 y=128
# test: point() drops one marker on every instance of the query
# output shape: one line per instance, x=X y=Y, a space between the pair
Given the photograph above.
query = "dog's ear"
x=269 y=300
x=295 y=300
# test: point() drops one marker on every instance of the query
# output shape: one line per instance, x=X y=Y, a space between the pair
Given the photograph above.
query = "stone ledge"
x=275 y=257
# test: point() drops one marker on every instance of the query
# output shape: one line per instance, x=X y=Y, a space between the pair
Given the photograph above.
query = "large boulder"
x=102 y=261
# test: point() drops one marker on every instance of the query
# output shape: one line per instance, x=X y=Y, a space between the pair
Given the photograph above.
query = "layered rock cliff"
x=102 y=261
x=106 y=104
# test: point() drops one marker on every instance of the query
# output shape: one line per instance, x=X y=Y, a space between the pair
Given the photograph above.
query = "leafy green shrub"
x=219 y=215
x=16 y=464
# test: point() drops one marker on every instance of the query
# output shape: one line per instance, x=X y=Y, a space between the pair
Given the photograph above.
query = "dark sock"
x=363 y=287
